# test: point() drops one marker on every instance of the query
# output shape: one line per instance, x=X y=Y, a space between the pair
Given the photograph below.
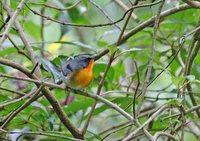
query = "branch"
x=75 y=91
x=145 y=123
x=192 y=53
x=181 y=43
x=63 y=118
x=150 y=65
x=158 y=134
x=11 y=21
x=40 y=133
x=194 y=108
x=151 y=21
x=98 y=93
x=91 y=25
x=17 y=66
x=57 y=8
x=104 y=13
x=24 y=39
x=126 y=22
x=15 y=112
x=4 y=23
x=192 y=3
x=13 y=91
x=20 y=51
x=16 y=100
x=125 y=8
x=100 y=54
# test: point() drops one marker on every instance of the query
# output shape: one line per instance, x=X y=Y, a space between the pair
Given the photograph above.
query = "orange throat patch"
x=83 y=77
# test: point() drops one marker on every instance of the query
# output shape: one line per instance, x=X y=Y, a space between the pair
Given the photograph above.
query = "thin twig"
x=13 y=91
x=124 y=27
x=91 y=25
x=181 y=43
x=57 y=8
x=101 y=83
x=15 y=112
x=192 y=53
x=194 y=108
x=16 y=100
x=150 y=65
x=192 y=3
x=125 y=8
x=24 y=39
x=11 y=21
x=146 y=122
x=150 y=21
x=42 y=33
x=4 y=23
x=20 y=51
x=158 y=134
x=106 y=15
x=63 y=117
x=75 y=91
x=40 y=133
x=136 y=90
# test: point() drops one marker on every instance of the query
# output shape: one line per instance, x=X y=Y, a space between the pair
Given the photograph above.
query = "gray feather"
x=75 y=64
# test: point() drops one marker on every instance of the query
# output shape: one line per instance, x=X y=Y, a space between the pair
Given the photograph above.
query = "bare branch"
x=151 y=21
x=75 y=91
x=151 y=61
x=158 y=134
x=125 y=8
x=91 y=25
x=146 y=122
x=15 y=112
x=193 y=3
x=57 y=8
x=24 y=39
x=11 y=21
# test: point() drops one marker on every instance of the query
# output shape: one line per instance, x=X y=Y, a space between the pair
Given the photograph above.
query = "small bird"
x=78 y=71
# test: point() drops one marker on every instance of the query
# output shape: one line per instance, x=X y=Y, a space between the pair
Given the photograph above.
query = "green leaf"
x=77 y=16
x=78 y=104
x=178 y=80
x=101 y=109
x=102 y=43
x=32 y=29
x=160 y=124
x=100 y=68
x=3 y=98
x=122 y=101
x=175 y=102
x=112 y=48
x=7 y=51
x=95 y=135
x=85 y=2
x=2 y=69
x=153 y=73
x=39 y=105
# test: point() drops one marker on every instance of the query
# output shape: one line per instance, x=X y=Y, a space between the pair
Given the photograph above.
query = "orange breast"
x=83 y=77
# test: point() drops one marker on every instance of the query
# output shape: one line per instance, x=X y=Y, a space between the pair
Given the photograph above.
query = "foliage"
x=57 y=28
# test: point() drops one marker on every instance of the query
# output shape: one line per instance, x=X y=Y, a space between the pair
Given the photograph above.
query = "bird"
x=78 y=71
x=75 y=71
